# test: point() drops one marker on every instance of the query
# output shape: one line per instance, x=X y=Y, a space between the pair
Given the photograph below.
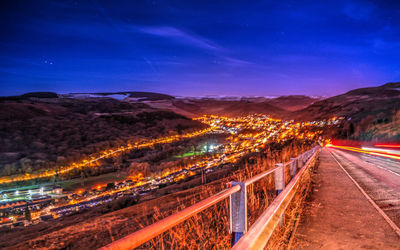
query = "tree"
x=350 y=131
x=26 y=164
x=82 y=174
x=9 y=169
x=28 y=214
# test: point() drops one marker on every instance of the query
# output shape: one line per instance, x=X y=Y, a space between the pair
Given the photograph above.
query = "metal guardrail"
x=260 y=232
x=262 y=229
x=139 y=237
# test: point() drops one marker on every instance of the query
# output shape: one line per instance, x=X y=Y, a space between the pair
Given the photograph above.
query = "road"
x=378 y=176
x=337 y=215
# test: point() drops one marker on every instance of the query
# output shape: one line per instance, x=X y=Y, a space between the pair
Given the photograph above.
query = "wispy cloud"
x=194 y=40
x=380 y=44
x=150 y=64
x=178 y=35
x=235 y=61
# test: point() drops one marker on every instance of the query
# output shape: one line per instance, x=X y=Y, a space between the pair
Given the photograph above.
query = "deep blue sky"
x=198 y=47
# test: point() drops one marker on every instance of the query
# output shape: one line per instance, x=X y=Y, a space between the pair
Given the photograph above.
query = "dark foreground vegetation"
x=41 y=133
x=98 y=227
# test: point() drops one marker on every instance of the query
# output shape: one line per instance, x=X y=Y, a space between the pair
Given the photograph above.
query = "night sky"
x=195 y=48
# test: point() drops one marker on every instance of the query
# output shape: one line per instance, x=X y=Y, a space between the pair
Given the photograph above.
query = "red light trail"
x=387 y=145
x=378 y=152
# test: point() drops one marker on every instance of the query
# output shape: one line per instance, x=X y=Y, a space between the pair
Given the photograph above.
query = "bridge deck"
x=339 y=216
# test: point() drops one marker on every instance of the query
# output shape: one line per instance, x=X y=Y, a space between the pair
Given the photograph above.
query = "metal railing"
x=261 y=230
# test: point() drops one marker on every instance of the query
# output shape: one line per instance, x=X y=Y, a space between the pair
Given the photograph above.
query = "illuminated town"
x=244 y=134
x=199 y=124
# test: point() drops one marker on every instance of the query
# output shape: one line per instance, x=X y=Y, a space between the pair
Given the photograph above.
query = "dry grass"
x=210 y=228
x=207 y=230
x=281 y=238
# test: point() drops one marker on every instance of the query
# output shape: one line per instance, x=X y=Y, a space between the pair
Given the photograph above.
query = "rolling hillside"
x=235 y=106
x=40 y=130
x=367 y=112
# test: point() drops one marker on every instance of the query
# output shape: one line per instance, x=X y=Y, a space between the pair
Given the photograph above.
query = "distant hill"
x=234 y=106
x=133 y=95
x=355 y=104
x=366 y=111
x=369 y=113
x=292 y=102
x=227 y=108
x=150 y=96
x=30 y=95
x=225 y=105
x=38 y=132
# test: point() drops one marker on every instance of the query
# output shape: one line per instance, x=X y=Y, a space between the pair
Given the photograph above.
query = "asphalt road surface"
x=378 y=176
x=337 y=215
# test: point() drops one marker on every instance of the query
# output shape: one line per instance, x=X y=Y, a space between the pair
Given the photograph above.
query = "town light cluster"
x=100 y=155
x=243 y=135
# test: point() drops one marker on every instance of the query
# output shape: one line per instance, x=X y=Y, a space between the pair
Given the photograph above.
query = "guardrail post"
x=238 y=213
x=300 y=161
x=293 y=167
x=279 y=178
x=280 y=184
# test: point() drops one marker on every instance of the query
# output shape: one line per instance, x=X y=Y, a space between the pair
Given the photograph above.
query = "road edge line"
x=387 y=219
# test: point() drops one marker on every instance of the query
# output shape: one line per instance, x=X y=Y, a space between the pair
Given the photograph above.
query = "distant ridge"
x=141 y=96
x=369 y=113
x=355 y=103
x=30 y=95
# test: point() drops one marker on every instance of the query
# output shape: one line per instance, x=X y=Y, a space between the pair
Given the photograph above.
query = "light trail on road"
x=387 y=145
x=378 y=176
x=371 y=151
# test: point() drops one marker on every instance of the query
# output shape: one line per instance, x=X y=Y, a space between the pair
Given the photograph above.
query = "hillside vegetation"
x=41 y=129
x=369 y=113
x=235 y=106
x=37 y=133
